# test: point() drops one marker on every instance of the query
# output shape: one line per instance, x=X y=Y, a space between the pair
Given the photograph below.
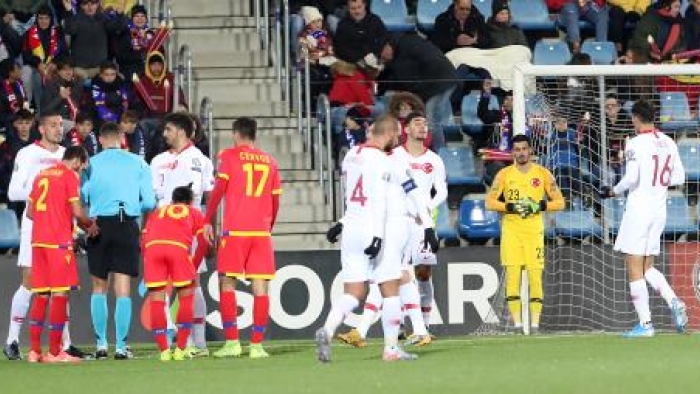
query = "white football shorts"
x=391 y=258
x=640 y=235
x=24 y=258
x=356 y=265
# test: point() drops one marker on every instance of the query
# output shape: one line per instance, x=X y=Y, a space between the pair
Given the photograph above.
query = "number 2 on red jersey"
x=358 y=193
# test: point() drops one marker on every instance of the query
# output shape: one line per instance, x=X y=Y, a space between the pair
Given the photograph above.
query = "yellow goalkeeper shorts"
x=518 y=249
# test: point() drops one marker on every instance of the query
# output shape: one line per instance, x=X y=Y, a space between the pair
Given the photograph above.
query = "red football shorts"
x=53 y=270
x=249 y=257
x=167 y=263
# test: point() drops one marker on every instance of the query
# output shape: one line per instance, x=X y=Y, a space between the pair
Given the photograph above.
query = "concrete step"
x=302 y=242
x=223 y=40
x=302 y=228
x=245 y=73
x=232 y=90
x=296 y=194
x=211 y=57
x=305 y=214
x=183 y=8
x=299 y=175
x=249 y=108
x=213 y=22
x=280 y=143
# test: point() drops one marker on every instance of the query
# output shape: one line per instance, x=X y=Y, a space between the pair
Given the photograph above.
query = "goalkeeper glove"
x=373 y=249
x=532 y=207
x=334 y=232
x=430 y=241
x=516 y=207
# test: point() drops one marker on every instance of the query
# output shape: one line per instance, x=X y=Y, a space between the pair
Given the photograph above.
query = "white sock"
x=658 y=282
x=198 y=334
x=341 y=308
x=640 y=299
x=391 y=318
x=18 y=311
x=373 y=303
x=425 y=288
x=411 y=304
x=65 y=336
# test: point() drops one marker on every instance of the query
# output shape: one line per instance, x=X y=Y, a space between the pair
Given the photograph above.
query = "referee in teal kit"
x=118 y=190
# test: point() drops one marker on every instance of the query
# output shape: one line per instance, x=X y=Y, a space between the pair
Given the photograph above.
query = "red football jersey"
x=253 y=179
x=54 y=189
x=174 y=224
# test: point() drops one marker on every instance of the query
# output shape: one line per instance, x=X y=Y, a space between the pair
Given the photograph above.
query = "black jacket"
x=11 y=40
x=353 y=40
x=448 y=28
x=52 y=101
x=418 y=67
x=691 y=24
x=89 y=37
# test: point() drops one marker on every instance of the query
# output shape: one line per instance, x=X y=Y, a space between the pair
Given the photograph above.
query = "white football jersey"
x=652 y=164
x=428 y=170
x=29 y=161
x=366 y=172
x=170 y=170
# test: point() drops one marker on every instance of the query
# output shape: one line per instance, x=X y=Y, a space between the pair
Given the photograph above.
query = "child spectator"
x=20 y=134
x=82 y=134
x=354 y=130
x=63 y=91
x=110 y=96
x=12 y=96
x=319 y=47
x=132 y=43
x=133 y=138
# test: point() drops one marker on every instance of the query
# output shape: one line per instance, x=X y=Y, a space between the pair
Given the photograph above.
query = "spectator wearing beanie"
x=132 y=43
x=500 y=30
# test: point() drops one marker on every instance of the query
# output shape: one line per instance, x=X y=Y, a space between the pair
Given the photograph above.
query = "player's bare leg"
x=658 y=282
x=410 y=300
x=229 y=309
x=391 y=319
x=18 y=312
x=354 y=293
x=640 y=297
x=513 y=281
x=261 y=317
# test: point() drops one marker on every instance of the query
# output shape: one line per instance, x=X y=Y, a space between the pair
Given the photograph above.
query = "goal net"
x=579 y=120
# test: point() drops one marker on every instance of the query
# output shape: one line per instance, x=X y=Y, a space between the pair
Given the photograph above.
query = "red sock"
x=185 y=315
x=58 y=312
x=36 y=321
x=261 y=314
x=159 y=326
x=229 y=310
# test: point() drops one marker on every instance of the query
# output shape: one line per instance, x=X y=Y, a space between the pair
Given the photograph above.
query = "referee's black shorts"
x=116 y=249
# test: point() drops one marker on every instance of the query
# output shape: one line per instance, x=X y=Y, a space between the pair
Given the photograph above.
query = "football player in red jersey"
x=54 y=202
x=249 y=182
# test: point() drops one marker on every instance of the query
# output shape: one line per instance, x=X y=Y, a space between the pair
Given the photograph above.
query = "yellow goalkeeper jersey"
x=512 y=185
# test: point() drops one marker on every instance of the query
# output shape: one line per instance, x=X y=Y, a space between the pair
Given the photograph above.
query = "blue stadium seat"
x=551 y=52
x=613 y=208
x=678 y=216
x=460 y=166
x=445 y=228
x=394 y=14
x=600 y=52
x=9 y=229
x=531 y=15
x=576 y=224
x=689 y=151
x=428 y=10
x=675 y=112
x=484 y=6
x=475 y=222
x=470 y=104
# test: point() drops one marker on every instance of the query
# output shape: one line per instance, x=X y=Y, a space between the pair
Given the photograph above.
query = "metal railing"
x=324 y=149
x=281 y=58
x=183 y=77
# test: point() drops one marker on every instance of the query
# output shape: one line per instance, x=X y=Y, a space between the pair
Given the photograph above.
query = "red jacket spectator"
x=351 y=85
x=155 y=94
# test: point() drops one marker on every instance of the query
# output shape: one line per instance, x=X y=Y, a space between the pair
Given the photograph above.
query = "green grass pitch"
x=507 y=364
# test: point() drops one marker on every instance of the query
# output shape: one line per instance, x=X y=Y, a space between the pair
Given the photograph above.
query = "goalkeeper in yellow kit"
x=522 y=191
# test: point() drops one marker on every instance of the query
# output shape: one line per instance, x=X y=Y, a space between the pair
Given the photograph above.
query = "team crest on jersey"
x=535 y=182
x=428 y=168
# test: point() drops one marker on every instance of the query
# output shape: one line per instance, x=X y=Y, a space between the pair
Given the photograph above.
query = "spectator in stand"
x=43 y=43
x=617 y=122
x=109 y=95
x=63 y=91
x=199 y=136
x=401 y=104
x=83 y=134
x=354 y=132
x=132 y=42
x=89 y=32
x=664 y=24
x=497 y=131
x=414 y=64
x=460 y=26
x=10 y=39
x=692 y=25
x=20 y=134
x=319 y=47
x=333 y=10
x=564 y=159
x=621 y=13
x=12 y=96
x=572 y=11
x=360 y=35
x=133 y=138
x=500 y=32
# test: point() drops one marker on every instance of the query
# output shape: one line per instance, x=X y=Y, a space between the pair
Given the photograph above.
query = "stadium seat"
x=476 y=223
x=551 y=52
x=531 y=15
x=394 y=14
x=445 y=228
x=428 y=10
x=678 y=216
x=9 y=229
x=576 y=224
x=460 y=166
x=470 y=104
x=613 y=208
x=484 y=6
x=689 y=151
x=600 y=52
x=675 y=112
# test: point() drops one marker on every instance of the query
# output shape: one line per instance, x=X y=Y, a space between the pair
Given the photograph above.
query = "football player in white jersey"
x=386 y=215
x=183 y=164
x=29 y=161
x=652 y=164
x=422 y=169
